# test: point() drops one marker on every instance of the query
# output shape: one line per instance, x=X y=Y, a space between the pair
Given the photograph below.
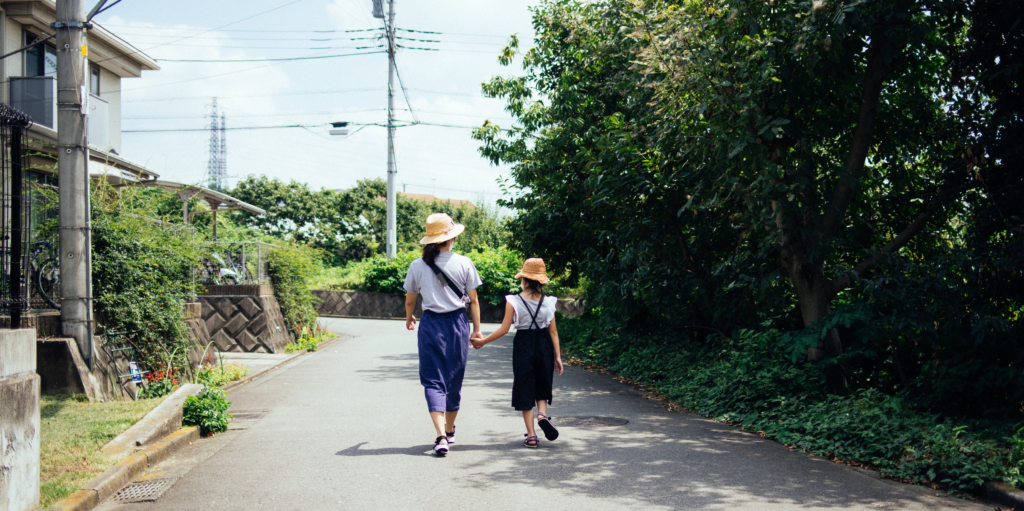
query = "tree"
x=727 y=164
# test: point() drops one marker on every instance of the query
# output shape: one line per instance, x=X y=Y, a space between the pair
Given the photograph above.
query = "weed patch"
x=73 y=430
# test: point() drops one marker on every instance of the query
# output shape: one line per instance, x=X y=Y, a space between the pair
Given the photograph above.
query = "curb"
x=238 y=383
x=160 y=422
x=1003 y=494
x=101 y=487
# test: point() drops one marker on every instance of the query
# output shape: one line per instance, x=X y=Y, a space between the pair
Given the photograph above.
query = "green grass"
x=73 y=432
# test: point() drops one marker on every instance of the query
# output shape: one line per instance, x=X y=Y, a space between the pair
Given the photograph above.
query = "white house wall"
x=13 y=65
x=110 y=91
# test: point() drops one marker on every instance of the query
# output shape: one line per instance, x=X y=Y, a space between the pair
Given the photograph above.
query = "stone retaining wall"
x=244 y=318
x=358 y=304
x=19 y=421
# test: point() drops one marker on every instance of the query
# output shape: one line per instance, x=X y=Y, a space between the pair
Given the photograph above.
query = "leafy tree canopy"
x=716 y=165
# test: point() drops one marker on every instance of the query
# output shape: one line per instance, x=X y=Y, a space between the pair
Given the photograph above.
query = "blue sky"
x=443 y=87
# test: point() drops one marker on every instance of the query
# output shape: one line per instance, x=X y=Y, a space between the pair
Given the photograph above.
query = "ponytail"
x=431 y=250
x=533 y=285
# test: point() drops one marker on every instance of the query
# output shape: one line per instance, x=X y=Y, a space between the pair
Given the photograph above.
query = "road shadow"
x=418 y=450
x=660 y=458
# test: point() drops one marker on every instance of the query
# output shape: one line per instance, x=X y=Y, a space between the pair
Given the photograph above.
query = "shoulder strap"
x=446 y=279
x=533 y=314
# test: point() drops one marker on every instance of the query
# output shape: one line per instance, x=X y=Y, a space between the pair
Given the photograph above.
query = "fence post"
x=18 y=304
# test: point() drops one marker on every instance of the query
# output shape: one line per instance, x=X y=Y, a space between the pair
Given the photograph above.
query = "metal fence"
x=13 y=215
x=235 y=263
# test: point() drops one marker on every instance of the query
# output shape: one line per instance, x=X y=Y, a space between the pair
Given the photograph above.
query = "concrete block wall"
x=19 y=421
x=358 y=304
x=244 y=319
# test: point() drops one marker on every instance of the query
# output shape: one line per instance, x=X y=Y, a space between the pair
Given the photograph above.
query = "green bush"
x=208 y=409
x=141 y=268
x=750 y=380
x=496 y=266
x=216 y=376
x=384 y=276
x=290 y=267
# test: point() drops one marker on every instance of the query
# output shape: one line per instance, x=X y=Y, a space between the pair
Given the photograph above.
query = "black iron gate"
x=13 y=214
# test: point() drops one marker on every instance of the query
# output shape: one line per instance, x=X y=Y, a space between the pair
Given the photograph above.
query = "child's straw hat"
x=534 y=269
x=441 y=227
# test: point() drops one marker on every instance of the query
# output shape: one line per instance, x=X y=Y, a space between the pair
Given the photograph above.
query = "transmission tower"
x=216 y=169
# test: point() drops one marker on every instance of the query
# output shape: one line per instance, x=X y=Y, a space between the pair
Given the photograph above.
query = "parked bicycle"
x=45 y=272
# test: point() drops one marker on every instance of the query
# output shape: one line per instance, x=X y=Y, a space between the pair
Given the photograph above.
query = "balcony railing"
x=37 y=97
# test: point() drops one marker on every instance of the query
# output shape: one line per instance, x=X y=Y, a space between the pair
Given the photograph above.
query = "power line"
x=247 y=30
x=448 y=33
x=212 y=29
x=276 y=94
x=286 y=114
x=273 y=60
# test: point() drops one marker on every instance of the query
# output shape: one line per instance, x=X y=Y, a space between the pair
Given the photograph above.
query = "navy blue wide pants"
x=444 y=349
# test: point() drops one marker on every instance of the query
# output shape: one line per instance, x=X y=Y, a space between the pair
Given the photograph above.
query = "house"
x=30 y=85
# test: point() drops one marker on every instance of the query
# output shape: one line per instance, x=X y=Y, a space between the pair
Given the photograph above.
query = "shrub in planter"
x=208 y=409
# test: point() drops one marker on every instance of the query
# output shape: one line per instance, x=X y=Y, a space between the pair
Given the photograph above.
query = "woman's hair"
x=431 y=250
x=533 y=285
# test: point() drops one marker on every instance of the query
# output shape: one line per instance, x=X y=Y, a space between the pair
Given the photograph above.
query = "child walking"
x=535 y=351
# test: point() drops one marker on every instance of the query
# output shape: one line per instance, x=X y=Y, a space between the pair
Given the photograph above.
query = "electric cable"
x=212 y=29
x=448 y=33
x=273 y=60
x=276 y=94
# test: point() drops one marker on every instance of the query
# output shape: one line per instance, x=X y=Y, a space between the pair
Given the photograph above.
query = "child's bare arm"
x=506 y=324
x=553 y=331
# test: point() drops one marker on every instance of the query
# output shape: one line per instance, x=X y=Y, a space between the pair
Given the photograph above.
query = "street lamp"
x=340 y=128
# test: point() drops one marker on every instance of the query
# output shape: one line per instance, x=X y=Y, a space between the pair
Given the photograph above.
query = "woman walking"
x=447 y=282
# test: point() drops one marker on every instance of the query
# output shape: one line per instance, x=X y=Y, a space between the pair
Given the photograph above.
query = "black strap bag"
x=447 y=282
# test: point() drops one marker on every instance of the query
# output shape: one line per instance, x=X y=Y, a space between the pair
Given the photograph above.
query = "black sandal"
x=535 y=440
x=440 y=450
x=550 y=432
x=451 y=436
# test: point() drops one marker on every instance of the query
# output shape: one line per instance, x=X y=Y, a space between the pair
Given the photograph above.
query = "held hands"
x=476 y=339
x=410 y=322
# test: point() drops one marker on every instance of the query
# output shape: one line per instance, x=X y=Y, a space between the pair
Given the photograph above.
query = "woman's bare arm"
x=474 y=313
x=410 y=307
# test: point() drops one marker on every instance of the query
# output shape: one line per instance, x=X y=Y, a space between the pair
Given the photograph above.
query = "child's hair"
x=431 y=250
x=533 y=285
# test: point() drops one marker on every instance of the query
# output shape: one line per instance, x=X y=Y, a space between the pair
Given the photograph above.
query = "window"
x=94 y=80
x=40 y=60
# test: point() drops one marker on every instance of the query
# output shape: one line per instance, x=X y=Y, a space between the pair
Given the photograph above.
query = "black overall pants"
x=533 y=364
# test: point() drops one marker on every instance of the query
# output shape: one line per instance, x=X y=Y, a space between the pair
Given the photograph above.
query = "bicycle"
x=46 y=274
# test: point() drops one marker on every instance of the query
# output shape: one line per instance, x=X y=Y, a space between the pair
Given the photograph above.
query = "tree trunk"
x=814 y=296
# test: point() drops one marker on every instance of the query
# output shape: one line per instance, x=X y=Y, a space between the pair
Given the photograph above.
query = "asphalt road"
x=347 y=428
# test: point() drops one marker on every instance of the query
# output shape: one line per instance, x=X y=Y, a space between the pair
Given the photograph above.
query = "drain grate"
x=143 y=491
x=589 y=422
x=247 y=416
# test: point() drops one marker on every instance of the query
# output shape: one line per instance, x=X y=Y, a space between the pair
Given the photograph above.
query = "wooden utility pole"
x=73 y=176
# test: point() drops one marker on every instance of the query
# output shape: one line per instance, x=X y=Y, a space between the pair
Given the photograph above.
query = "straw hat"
x=441 y=227
x=534 y=269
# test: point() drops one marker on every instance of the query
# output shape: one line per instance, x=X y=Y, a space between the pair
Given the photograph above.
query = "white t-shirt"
x=436 y=296
x=523 y=320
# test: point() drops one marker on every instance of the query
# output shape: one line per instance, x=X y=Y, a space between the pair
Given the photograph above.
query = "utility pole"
x=392 y=234
x=73 y=175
